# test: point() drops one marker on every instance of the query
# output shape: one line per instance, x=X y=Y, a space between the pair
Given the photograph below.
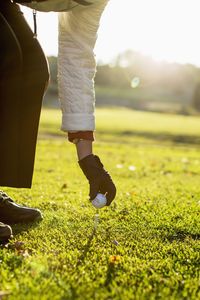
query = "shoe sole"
x=6 y=238
x=30 y=219
x=38 y=218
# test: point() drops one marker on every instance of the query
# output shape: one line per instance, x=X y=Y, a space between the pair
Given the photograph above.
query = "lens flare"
x=135 y=82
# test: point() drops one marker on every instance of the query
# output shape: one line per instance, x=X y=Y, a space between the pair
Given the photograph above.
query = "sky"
x=164 y=29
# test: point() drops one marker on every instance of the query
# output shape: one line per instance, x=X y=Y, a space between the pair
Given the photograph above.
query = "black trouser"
x=23 y=79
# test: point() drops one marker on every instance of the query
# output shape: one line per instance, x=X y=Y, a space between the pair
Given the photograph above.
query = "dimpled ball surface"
x=99 y=201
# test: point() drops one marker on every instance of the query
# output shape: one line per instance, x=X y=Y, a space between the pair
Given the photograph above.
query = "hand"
x=99 y=179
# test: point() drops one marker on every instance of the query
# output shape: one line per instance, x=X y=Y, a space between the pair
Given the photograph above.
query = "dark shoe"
x=5 y=232
x=12 y=213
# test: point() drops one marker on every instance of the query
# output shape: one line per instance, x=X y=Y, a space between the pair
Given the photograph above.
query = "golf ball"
x=100 y=201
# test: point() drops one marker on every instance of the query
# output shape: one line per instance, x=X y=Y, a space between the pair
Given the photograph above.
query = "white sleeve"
x=77 y=66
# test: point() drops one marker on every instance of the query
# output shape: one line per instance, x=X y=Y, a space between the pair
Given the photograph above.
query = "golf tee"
x=96 y=221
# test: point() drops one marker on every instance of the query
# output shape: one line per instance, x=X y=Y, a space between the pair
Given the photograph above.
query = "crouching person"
x=78 y=25
x=23 y=79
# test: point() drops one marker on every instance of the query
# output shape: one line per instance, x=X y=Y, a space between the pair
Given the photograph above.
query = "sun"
x=166 y=30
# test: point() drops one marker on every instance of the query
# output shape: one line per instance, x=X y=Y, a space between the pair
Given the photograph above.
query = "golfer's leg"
x=77 y=66
x=10 y=93
x=34 y=81
x=10 y=101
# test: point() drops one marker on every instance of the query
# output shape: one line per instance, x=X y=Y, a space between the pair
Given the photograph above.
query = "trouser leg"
x=10 y=93
x=22 y=104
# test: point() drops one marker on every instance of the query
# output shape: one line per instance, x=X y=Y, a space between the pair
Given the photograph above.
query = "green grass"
x=155 y=217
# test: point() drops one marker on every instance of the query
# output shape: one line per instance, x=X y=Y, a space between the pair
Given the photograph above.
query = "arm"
x=84 y=148
x=76 y=71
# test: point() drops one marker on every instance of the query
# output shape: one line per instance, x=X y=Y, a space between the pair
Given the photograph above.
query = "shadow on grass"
x=157 y=136
x=17 y=228
x=111 y=268
x=182 y=235
x=86 y=248
x=110 y=274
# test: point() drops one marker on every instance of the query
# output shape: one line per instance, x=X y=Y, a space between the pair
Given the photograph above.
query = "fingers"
x=107 y=187
x=111 y=193
x=94 y=189
x=103 y=188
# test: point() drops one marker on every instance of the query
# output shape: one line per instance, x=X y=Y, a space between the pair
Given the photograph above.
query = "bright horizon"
x=164 y=29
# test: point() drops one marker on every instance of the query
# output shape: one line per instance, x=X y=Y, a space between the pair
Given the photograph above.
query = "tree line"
x=133 y=70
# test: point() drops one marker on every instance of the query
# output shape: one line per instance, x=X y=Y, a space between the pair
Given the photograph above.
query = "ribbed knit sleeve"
x=77 y=66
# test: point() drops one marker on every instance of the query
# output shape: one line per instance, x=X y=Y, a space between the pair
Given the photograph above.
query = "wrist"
x=84 y=148
x=80 y=135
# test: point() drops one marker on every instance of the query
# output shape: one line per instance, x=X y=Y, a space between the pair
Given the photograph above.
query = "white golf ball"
x=100 y=201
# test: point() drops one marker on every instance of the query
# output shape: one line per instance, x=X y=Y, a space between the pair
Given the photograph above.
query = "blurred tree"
x=196 y=96
x=157 y=81
x=53 y=86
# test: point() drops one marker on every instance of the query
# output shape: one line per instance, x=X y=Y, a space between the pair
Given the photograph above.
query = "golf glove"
x=99 y=179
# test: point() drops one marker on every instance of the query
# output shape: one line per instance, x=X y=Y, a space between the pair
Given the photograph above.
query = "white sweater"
x=77 y=66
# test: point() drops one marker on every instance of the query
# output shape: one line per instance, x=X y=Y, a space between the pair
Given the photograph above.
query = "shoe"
x=5 y=232
x=12 y=213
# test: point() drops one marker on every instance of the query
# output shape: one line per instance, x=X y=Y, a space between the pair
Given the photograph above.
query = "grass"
x=155 y=217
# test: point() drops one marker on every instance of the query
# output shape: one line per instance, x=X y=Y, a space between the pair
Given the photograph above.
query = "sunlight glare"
x=166 y=30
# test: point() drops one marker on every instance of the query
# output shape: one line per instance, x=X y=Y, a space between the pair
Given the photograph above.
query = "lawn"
x=147 y=244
